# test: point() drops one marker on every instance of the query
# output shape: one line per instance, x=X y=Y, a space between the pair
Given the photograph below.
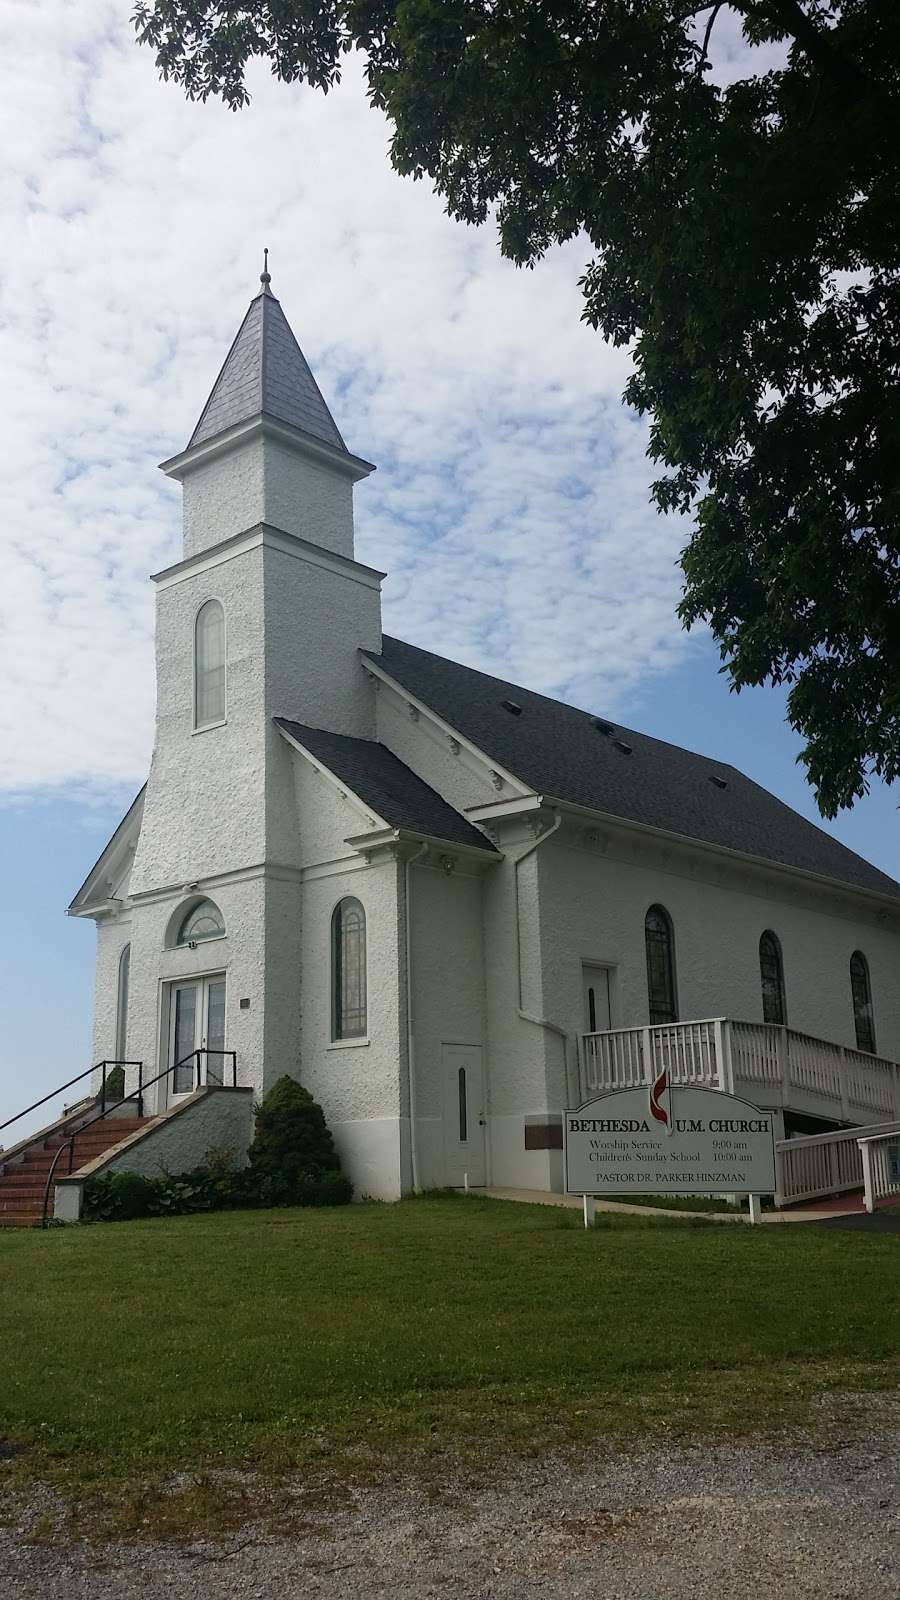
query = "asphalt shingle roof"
x=266 y=372
x=381 y=781
x=569 y=755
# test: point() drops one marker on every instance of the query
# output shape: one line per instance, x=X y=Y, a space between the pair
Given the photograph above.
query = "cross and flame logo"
x=659 y=1088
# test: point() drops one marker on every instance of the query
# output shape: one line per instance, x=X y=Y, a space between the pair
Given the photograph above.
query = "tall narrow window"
x=348 y=970
x=660 y=965
x=771 y=973
x=863 y=1015
x=209 y=665
x=122 y=1003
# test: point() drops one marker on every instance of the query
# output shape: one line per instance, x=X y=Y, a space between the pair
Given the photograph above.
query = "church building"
x=450 y=906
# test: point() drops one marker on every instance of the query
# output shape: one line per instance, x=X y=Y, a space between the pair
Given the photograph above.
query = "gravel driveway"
x=709 y=1523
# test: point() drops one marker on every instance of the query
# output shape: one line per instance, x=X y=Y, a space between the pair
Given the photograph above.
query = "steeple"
x=266 y=374
x=266 y=447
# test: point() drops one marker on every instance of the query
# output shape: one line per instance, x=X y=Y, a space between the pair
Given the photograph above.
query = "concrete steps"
x=23 y=1183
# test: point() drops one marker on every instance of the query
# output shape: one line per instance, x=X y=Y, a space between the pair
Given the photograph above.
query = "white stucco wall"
x=112 y=937
x=317 y=619
x=265 y=480
x=308 y=498
x=593 y=909
x=223 y=495
x=204 y=811
x=448 y=994
x=526 y=1059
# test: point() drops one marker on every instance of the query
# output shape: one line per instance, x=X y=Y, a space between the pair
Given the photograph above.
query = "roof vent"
x=720 y=783
x=512 y=706
x=621 y=745
x=603 y=727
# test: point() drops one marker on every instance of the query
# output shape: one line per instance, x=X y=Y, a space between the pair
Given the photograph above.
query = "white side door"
x=595 y=988
x=464 y=1114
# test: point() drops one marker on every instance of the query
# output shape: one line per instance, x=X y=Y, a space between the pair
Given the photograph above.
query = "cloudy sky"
x=510 y=505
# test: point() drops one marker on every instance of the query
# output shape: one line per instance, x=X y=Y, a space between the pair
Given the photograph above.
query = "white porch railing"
x=880 y=1161
x=816 y=1165
x=770 y=1065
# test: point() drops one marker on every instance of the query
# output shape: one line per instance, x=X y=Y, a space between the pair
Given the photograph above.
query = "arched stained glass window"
x=771 y=973
x=863 y=1015
x=203 y=921
x=122 y=1003
x=209 y=665
x=348 y=971
x=660 y=944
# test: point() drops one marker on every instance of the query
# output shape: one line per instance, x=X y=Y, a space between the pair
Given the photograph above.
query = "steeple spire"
x=266 y=449
x=266 y=375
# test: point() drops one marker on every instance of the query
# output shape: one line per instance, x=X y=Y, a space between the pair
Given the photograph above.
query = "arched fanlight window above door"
x=203 y=921
x=349 y=1010
x=209 y=665
x=863 y=1014
x=660 y=944
x=771 y=976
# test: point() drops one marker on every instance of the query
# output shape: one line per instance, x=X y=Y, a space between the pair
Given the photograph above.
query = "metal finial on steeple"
x=264 y=277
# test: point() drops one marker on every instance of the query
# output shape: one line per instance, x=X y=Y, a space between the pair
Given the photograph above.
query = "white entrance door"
x=196 y=1022
x=464 y=1119
x=597 y=1014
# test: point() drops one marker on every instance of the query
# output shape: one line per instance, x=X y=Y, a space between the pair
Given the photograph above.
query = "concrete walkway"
x=828 y=1211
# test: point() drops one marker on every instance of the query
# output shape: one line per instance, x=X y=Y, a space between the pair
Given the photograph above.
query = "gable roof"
x=266 y=373
x=114 y=854
x=576 y=757
x=381 y=781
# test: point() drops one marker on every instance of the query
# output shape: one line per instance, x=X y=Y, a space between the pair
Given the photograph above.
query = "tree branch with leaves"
x=745 y=245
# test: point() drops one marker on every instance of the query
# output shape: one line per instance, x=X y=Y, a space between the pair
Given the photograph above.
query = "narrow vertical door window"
x=463 y=1106
x=184 y=1037
x=209 y=665
x=215 y=1032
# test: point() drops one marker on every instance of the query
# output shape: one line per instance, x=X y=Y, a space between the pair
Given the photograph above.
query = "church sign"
x=657 y=1139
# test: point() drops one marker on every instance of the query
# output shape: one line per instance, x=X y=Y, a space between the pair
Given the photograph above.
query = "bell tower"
x=268 y=485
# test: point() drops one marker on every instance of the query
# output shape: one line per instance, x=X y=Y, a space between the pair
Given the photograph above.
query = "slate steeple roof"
x=266 y=374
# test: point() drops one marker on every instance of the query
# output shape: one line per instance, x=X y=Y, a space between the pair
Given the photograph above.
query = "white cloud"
x=511 y=502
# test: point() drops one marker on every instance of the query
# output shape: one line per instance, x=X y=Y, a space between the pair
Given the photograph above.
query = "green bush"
x=292 y=1149
x=115 y=1085
x=293 y=1162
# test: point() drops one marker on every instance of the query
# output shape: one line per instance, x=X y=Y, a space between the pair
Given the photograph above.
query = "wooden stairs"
x=23 y=1180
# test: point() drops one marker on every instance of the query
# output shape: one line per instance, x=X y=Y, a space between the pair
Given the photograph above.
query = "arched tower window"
x=771 y=973
x=209 y=665
x=660 y=944
x=348 y=971
x=122 y=1003
x=863 y=1015
x=203 y=921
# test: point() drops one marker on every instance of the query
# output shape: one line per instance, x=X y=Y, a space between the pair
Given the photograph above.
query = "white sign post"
x=659 y=1140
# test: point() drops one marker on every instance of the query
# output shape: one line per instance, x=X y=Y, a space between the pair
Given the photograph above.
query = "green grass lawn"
x=333 y=1340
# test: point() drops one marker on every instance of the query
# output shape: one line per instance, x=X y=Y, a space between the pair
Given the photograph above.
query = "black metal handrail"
x=99 y=1066
x=195 y=1056
x=69 y=1143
